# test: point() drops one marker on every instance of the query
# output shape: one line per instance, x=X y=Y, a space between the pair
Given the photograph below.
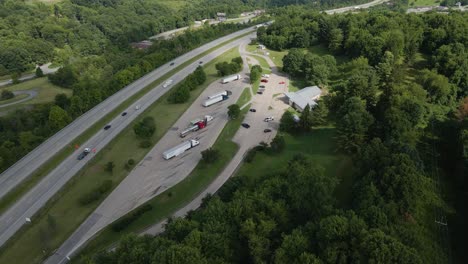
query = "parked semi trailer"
x=199 y=124
x=231 y=78
x=220 y=94
x=179 y=149
x=215 y=100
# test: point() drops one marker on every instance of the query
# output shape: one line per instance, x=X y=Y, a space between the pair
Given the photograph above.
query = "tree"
x=234 y=111
x=353 y=124
x=287 y=123
x=210 y=155
x=7 y=95
x=58 y=118
x=145 y=128
x=39 y=72
x=319 y=114
x=305 y=123
x=64 y=77
x=292 y=62
x=336 y=40
x=62 y=101
x=180 y=95
x=110 y=166
x=15 y=78
x=200 y=75
x=278 y=144
x=255 y=73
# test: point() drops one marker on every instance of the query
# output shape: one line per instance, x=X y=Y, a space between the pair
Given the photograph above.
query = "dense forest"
x=401 y=113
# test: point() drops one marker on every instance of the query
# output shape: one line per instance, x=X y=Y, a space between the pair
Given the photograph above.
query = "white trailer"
x=218 y=94
x=215 y=100
x=179 y=149
x=231 y=78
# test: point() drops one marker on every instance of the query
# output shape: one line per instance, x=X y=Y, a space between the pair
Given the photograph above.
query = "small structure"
x=259 y=12
x=221 y=17
x=260 y=46
x=307 y=96
x=142 y=44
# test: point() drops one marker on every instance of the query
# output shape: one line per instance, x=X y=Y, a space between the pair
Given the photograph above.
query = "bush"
x=180 y=95
x=125 y=221
x=250 y=155
x=278 y=144
x=145 y=144
x=7 y=95
x=210 y=155
x=131 y=162
x=96 y=193
x=145 y=128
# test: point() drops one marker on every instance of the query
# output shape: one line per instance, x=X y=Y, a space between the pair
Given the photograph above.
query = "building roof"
x=304 y=96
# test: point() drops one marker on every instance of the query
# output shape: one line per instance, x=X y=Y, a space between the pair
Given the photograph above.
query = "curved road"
x=31 y=202
x=45 y=69
x=33 y=160
x=31 y=94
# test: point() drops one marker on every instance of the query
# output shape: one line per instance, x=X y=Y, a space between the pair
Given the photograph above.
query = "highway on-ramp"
x=25 y=167
x=30 y=203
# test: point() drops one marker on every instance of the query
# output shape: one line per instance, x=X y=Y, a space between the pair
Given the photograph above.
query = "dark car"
x=264 y=80
x=259 y=92
x=171 y=64
x=200 y=62
x=245 y=125
x=253 y=110
x=107 y=127
x=262 y=86
x=124 y=113
x=267 y=130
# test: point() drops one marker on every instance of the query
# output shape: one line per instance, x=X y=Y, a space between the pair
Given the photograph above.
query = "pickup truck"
x=83 y=154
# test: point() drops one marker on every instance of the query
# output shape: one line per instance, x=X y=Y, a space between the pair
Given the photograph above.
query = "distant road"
x=31 y=94
x=45 y=69
x=31 y=202
x=356 y=7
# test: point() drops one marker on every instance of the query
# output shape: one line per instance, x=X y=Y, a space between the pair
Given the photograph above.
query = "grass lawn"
x=245 y=97
x=46 y=91
x=255 y=86
x=169 y=201
x=14 y=99
x=416 y=3
x=28 y=244
x=319 y=146
x=263 y=63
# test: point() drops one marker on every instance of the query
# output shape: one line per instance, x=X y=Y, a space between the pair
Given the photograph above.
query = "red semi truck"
x=196 y=125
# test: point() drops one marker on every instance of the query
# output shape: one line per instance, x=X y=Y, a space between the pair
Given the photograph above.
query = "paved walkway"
x=45 y=69
x=31 y=94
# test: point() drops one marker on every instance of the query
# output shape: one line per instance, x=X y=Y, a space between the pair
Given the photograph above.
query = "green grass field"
x=245 y=97
x=169 y=201
x=14 y=99
x=28 y=245
x=276 y=56
x=46 y=92
x=319 y=146
x=416 y=3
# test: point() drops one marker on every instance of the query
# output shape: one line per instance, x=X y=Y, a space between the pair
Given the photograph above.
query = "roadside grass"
x=263 y=63
x=14 y=99
x=416 y=3
x=275 y=56
x=42 y=171
x=169 y=201
x=245 y=97
x=46 y=92
x=255 y=86
x=30 y=243
x=320 y=147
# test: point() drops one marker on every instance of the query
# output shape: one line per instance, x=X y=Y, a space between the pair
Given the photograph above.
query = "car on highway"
x=245 y=125
x=259 y=92
x=200 y=62
x=267 y=130
x=137 y=107
x=107 y=127
x=262 y=86
x=167 y=83
x=264 y=80
x=268 y=119
x=172 y=64
x=253 y=110
x=83 y=154
x=124 y=113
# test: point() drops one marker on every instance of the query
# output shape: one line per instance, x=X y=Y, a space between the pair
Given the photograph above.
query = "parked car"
x=264 y=80
x=268 y=119
x=107 y=127
x=253 y=110
x=124 y=113
x=259 y=92
x=245 y=125
x=262 y=86
x=266 y=75
x=267 y=130
x=172 y=64
x=281 y=82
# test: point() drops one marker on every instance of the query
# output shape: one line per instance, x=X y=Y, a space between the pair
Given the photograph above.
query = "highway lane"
x=29 y=204
x=356 y=7
x=25 y=167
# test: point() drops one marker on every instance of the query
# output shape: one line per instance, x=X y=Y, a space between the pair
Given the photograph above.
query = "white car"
x=265 y=75
x=167 y=83
x=268 y=119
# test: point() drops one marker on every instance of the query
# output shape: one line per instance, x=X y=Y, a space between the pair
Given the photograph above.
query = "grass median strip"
x=25 y=186
x=63 y=213
x=176 y=197
x=245 y=97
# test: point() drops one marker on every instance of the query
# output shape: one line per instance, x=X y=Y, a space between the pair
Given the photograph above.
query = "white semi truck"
x=215 y=100
x=218 y=94
x=179 y=149
x=196 y=124
x=231 y=78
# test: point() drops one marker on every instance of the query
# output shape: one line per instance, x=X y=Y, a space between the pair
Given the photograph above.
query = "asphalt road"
x=356 y=7
x=31 y=202
x=22 y=169
x=45 y=69
x=31 y=94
